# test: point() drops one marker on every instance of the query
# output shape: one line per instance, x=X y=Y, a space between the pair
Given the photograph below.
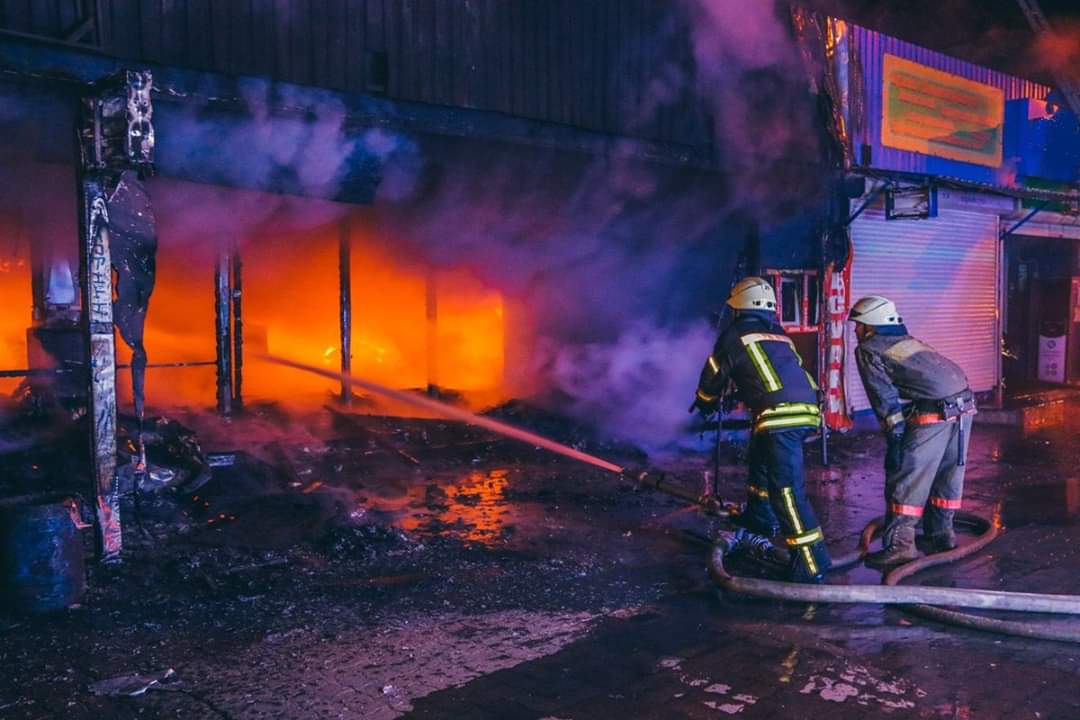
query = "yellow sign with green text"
x=937 y=113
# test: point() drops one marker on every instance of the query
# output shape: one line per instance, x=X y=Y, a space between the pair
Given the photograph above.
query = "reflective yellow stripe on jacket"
x=761 y=360
x=789 y=415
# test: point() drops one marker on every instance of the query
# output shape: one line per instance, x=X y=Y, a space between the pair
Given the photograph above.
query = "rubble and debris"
x=220 y=459
x=565 y=430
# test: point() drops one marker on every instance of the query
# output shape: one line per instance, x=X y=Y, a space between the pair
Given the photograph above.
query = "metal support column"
x=345 y=304
x=223 y=334
x=237 y=294
x=97 y=302
x=432 y=314
x=115 y=134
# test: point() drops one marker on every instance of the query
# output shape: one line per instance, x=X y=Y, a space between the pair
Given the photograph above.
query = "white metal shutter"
x=943 y=275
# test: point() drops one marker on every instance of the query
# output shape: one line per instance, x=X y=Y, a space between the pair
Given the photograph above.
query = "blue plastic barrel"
x=41 y=555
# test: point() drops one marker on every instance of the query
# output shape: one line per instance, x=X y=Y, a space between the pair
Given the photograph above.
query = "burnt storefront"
x=477 y=242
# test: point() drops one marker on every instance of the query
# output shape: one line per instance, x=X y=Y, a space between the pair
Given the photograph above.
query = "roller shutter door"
x=943 y=275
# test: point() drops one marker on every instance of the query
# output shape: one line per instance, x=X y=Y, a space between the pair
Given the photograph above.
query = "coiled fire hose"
x=918 y=600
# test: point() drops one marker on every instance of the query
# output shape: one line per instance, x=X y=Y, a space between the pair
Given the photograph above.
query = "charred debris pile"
x=270 y=479
x=305 y=518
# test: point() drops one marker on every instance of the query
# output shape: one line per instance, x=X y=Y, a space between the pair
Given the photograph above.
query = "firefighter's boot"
x=760 y=549
x=898 y=545
x=754 y=521
x=809 y=570
x=940 y=535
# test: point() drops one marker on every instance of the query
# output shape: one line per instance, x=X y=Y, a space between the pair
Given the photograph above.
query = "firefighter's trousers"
x=929 y=483
x=777 y=498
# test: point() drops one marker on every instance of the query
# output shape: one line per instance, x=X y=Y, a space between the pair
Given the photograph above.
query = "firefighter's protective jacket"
x=760 y=359
x=895 y=366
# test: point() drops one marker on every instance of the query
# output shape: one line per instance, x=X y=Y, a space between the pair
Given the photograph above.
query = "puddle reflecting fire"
x=475 y=509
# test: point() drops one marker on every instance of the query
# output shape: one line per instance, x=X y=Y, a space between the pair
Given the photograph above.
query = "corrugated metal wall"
x=943 y=275
x=585 y=63
x=872 y=47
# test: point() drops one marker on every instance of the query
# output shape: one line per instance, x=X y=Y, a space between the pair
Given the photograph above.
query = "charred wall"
x=586 y=63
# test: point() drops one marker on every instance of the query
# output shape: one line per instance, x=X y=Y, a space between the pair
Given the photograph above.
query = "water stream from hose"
x=449 y=411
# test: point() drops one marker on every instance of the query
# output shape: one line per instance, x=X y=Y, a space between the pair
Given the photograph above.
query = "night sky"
x=994 y=33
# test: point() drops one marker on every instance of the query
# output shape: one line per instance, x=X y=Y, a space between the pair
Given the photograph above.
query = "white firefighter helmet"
x=752 y=293
x=875 y=310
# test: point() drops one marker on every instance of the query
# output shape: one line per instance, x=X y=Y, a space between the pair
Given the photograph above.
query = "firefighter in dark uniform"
x=926 y=437
x=760 y=360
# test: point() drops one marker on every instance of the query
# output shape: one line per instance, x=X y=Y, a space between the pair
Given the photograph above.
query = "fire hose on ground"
x=919 y=600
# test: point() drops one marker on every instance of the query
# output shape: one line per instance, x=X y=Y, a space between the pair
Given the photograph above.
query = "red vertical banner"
x=838 y=300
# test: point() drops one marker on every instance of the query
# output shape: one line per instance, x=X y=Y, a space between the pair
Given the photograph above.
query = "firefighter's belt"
x=934 y=418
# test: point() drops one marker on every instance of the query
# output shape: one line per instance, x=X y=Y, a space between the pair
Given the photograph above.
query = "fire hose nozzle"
x=649 y=477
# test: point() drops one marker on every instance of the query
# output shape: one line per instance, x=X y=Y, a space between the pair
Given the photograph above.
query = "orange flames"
x=290 y=304
x=15 y=298
x=290 y=307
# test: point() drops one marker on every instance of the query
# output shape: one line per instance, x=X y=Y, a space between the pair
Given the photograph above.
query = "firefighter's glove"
x=894 y=449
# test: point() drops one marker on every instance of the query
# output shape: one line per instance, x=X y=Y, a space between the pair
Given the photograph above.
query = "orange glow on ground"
x=476 y=509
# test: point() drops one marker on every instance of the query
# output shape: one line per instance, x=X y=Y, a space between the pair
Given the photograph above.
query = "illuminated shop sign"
x=940 y=114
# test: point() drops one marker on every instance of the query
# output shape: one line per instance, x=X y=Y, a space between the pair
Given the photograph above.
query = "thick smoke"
x=618 y=260
x=288 y=139
x=1058 y=52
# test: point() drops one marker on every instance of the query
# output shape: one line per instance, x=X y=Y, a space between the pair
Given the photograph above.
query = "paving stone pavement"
x=577 y=597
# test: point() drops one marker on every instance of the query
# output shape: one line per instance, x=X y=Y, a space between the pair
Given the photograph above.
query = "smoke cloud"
x=620 y=260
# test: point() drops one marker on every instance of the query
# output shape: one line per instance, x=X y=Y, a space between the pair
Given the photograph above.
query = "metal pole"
x=1024 y=221
x=824 y=443
x=237 y=330
x=222 y=334
x=874 y=195
x=97 y=318
x=715 y=489
x=432 y=313
x=345 y=305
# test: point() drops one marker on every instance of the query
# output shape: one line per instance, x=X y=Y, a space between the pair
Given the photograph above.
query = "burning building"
x=486 y=226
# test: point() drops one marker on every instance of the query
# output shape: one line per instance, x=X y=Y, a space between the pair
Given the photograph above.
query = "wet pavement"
x=379 y=568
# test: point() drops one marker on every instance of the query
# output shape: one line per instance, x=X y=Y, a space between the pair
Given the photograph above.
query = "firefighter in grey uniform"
x=755 y=354
x=926 y=438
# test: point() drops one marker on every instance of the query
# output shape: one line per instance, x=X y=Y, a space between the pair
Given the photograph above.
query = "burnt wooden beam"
x=431 y=312
x=237 y=329
x=223 y=333
x=345 y=305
